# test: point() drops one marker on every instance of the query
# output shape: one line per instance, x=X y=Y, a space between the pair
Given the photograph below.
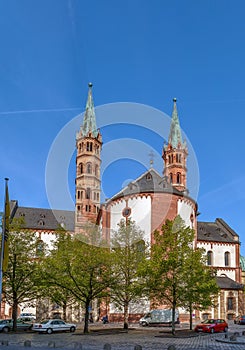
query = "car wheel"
x=72 y=329
x=212 y=330
x=5 y=330
x=49 y=331
x=226 y=329
x=144 y=324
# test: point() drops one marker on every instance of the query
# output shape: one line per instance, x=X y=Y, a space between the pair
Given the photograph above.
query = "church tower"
x=88 y=161
x=175 y=154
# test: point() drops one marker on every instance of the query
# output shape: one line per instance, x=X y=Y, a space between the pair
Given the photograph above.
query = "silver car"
x=56 y=325
x=7 y=325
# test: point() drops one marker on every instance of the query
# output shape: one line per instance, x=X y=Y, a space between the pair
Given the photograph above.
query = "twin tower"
x=88 y=163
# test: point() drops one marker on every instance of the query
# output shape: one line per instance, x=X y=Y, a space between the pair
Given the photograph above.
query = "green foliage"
x=21 y=280
x=82 y=269
x=200 y=283
x=129 y=252
x=177 y=274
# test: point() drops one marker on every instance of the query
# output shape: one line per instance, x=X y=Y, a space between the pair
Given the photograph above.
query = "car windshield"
x=209 y=321
x=2 y=321
x=45 y=321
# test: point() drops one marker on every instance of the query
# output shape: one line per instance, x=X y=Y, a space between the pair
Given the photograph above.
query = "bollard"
x=51 y=344
x=226 y=335
x=107 y=347
x=243 y=332
x=171 y=347
x=138 y=347
x=27 y=343
x=77 y=346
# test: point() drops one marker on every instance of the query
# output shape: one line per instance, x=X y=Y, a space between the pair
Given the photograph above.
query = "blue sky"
x=136 y=51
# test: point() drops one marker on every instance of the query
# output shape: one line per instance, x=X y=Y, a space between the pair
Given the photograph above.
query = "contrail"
x=40 y=110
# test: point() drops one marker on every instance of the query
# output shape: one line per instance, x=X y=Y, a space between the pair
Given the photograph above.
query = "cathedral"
x=148 y=200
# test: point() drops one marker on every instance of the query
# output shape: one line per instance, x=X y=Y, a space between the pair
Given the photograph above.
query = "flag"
x=5 y=236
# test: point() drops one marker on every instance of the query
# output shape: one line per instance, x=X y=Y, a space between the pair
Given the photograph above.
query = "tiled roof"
x=46 y=219
x=149 y=182
x=217 y=231
x=225 y=282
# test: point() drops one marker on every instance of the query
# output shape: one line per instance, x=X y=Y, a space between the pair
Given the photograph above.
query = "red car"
x=212 y=326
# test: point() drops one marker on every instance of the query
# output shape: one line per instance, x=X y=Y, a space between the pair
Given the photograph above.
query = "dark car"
x=240 y=320
x=212 y=326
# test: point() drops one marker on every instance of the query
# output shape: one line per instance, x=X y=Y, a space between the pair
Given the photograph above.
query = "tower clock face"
x=126 y=212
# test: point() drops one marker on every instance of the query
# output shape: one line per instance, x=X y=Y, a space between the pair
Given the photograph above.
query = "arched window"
x=81 y=168
x=89 y=146
x=89 y=168
x=178 y=178
x=172 y=158
x=169 y=159
x=88 y=193
x=210 y=258
x=78 y=194
x=171 y=178
x=227 y=259
x=178 y=158
x=40 y=247
x=88 y=208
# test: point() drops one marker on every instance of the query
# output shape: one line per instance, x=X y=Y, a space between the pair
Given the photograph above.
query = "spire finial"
x=175 y=133
x=89 y=120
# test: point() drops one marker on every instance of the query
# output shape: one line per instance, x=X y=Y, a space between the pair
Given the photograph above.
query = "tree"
x=200 y=283
x=21 y=280
x=128 y=253
x=60 y=297
x=79 y=267
x=168 y=270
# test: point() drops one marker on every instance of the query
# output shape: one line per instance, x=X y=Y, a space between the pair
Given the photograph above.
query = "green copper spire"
x=89 y=120
x=175 y=133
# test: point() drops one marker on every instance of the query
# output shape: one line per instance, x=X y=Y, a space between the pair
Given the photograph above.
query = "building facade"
x=148 y=200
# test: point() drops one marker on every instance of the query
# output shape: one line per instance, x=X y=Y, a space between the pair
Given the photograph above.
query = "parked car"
x=56 y=325
x=212 y=326
x=7 y=325
x=240 y=319
x=27 y=316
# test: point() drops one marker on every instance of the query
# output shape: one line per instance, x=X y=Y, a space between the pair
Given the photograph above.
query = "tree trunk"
x=64 y=307
x=125 y=315
x=85 y=329
x=190 y=308
x=15 y=313
x=173 y=318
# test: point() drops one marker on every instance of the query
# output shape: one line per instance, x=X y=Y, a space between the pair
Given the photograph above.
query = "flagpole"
x=2 y=244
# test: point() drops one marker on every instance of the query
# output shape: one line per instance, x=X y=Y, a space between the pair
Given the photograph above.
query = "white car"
x=50 y=326
x=27 y=316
